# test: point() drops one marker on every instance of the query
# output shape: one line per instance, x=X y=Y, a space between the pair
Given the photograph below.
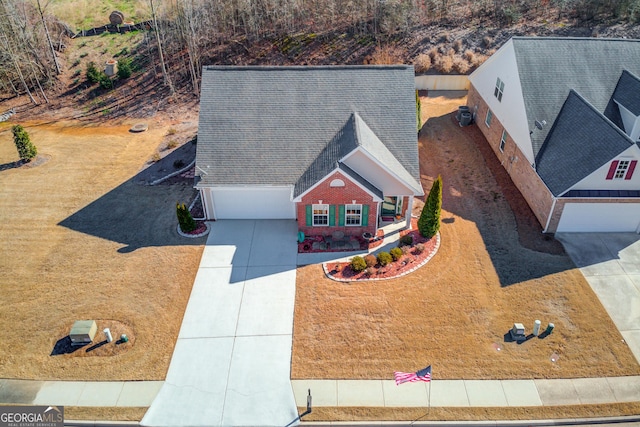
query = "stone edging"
x=193 y=236
x=404 y=273
x=172 y=174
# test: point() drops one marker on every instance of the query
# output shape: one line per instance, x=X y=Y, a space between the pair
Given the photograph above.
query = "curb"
x=97 y=423
x=508 y=423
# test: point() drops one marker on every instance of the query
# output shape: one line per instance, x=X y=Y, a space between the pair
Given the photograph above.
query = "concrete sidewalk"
x=467 y=393
x=79 y=393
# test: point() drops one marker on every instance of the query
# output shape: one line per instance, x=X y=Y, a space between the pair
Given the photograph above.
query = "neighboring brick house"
x=563 y=117
x=333 y=147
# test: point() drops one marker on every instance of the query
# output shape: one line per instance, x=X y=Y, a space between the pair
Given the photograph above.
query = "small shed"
x=83 y=332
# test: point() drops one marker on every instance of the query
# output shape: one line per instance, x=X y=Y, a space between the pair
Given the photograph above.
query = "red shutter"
x=632 y=166
x=612 y=169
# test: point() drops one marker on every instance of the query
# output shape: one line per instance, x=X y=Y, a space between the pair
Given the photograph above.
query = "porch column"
x=408 y=213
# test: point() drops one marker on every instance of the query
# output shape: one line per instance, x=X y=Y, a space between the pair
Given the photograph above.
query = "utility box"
x=517 y=332
x=83 y=332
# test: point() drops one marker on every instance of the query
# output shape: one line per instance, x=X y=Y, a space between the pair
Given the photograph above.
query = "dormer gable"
x=627 y=97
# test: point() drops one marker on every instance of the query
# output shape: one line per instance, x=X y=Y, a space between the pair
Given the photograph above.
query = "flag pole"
x=430 y=380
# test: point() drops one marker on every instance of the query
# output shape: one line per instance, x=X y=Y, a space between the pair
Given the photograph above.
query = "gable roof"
x=550 y=67
x=290 y=125
x=580 y=141
x=627 y=92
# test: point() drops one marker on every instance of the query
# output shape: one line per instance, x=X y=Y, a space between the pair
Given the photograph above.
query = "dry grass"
x=85 y=14
x=444 y=63
x=81 y=240
x=450 y=312
x=470 y=414
x=88 y=413
x=422 y=63
x=386 y=55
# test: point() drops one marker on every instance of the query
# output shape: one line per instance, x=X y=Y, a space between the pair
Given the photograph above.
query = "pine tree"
x=429 y=221
x=186 y=221
x=26 y=150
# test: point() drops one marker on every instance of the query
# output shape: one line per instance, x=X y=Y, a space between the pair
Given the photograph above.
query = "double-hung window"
x=499 y=90
x=320 y=215
x=353 y=214
x=503 y=140
x=487 y=120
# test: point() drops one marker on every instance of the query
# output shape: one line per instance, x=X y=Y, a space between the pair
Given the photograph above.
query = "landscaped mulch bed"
x=415 y=256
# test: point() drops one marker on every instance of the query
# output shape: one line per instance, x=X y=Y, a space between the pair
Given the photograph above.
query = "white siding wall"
x=377 y=175
x=631 y=123
x=511 y=110
x=597 y=180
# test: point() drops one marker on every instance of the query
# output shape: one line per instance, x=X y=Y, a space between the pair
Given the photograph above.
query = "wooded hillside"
x=182 y=35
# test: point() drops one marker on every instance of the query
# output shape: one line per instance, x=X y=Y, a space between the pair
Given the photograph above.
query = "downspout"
x=553 y=207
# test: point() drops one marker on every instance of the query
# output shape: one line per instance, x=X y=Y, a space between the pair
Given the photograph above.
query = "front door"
x=389 y=206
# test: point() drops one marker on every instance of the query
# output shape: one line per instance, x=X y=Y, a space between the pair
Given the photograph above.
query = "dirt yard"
x=494 y=268
x=81 y=239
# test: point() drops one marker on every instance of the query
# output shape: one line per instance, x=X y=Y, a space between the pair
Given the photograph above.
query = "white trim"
x=299 y=198
x=313 y=214
x=553 y=207
x=386 y=169
x=346 y=214
x=488 y=117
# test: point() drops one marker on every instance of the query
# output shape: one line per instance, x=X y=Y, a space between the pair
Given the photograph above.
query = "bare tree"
x=165 y=74
x=46 y=31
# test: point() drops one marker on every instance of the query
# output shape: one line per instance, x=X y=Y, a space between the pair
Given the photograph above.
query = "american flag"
x=421 y=375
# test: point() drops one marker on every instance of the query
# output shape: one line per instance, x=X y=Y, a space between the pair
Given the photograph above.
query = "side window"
x=487 y=120
x=499 y=90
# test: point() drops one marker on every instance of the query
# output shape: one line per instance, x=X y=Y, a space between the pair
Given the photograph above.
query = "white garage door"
x=253 y=203
x=605 y=217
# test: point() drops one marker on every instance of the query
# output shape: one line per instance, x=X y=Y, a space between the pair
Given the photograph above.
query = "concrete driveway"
x=611 y=264
x=232 y=361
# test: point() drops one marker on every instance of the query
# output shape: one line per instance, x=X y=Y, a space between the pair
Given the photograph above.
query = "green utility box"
x=83 y=332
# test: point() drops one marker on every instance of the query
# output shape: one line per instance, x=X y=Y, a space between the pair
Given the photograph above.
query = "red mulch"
x=409 y=261
x=201 y=227
x=306 y=247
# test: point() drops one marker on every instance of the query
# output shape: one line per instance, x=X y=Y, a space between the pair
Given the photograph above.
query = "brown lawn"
x=79 y=239
x=485 y=277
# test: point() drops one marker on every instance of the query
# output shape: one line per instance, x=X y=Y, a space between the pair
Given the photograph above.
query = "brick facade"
x=337 y=196
x=523 y=175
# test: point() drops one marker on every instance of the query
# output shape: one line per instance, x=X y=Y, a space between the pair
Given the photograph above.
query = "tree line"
x=185 y=30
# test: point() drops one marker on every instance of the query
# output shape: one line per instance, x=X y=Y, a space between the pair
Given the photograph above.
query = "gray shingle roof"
x=271 y=125
x=550 y=67
x=340 y=145
x=627 y=92
x=580 y=141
